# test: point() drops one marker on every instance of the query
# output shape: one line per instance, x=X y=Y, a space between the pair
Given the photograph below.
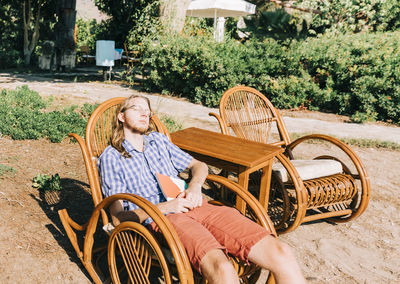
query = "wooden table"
x=230 y=153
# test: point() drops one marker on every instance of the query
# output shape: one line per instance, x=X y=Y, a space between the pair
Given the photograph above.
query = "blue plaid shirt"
x=137 y=174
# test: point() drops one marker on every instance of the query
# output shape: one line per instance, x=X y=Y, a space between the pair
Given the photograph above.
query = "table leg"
x=243 y=180
x=265 y=185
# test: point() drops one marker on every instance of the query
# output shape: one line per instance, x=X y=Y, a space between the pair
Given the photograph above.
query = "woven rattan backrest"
x=99 y=128
x=250 y=115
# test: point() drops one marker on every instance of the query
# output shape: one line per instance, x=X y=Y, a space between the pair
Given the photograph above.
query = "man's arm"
x=177 y=205
x=199 y=172
x=185 y=202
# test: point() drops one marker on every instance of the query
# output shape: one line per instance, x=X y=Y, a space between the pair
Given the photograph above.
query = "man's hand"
x=193 y=194
x=199 y=173
x=177 y=205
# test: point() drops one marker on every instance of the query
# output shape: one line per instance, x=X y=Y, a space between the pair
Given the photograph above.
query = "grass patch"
x=26 y=115
x=359 y=142
x=171 y=123
x=6 y=170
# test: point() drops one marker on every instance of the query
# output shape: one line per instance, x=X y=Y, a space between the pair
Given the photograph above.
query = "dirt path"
x=192 y=114
x=33 y=246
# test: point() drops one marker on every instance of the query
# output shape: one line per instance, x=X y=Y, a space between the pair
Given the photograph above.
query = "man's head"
x=132 y=115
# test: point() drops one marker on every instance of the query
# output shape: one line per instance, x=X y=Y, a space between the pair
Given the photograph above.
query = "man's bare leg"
x=217 y=268
x=277 y=257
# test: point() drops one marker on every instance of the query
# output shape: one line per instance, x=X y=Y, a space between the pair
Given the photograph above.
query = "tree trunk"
x=29 y=46
x=173 y=14
x=65 y=39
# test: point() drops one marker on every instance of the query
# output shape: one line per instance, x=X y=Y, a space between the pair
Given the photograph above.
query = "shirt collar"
x=129 y=147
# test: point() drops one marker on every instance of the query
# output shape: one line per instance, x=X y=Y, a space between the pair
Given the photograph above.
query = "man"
x=130 y=165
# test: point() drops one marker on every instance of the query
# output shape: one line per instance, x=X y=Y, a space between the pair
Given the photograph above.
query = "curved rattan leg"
x=297 y=205
x=69 y=226
x=279 y=207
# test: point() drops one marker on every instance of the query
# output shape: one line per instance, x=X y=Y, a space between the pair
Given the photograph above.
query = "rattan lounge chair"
x=133 y=253
x=334 y=186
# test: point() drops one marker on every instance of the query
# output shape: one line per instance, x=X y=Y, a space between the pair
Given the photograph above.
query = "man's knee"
x=216 y=264
x=270 y=250
x=282 y=250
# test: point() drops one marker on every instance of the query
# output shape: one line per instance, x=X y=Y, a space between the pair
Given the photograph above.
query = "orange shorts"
x=211 y=227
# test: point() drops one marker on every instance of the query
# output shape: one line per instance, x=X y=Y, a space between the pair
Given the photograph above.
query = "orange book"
x=171 y=186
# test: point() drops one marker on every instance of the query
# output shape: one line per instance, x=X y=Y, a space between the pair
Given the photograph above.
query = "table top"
x=225 y=147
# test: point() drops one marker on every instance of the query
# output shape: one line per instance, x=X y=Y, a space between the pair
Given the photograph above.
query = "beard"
x=139 y=129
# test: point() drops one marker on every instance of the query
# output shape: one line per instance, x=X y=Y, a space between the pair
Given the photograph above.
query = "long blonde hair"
x=118 y=135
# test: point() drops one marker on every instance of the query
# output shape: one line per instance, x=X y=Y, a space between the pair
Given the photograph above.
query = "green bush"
x=87 y=33
x=201 y=69
x=23 y=116
x=353 y=16
x=355 y=74
x=359 y=72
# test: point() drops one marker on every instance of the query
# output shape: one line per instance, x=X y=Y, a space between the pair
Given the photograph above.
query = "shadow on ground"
x=76 y=199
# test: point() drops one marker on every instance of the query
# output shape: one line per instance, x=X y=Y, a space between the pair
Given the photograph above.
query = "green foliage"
x=171 y=123
x=201 y=69
x=358 y=72
x=4 y=169
x=10 y=36
x=87 y=33
x=147 y=25
x=45 y=182
x=354 y=16
x=278 y=24
x=23 y=116
x=125 y=16
x=355 y=75
x=12 y=28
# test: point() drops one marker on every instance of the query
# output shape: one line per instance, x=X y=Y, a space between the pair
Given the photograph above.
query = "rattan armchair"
x=133 y=253
x=333 y=186
x=131 y=57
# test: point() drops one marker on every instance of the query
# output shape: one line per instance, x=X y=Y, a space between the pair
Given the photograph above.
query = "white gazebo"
x=219 y=9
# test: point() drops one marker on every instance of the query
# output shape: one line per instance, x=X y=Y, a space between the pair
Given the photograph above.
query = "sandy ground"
x=34 y=247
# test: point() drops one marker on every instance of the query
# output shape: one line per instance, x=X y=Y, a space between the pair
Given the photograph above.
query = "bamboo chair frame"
x=249 y=114
x=136 y=246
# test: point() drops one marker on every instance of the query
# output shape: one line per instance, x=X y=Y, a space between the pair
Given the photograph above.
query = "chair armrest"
x=222 y=125
x=345 y=148
x=248 y=198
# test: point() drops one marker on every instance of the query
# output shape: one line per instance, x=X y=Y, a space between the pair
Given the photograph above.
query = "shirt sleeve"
x=111 y=179
x=179 y=158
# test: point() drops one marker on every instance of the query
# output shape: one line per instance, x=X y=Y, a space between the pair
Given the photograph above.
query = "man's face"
x=136 y=116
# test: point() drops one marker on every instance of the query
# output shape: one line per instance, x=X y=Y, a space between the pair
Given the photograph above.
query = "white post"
x=220 y=31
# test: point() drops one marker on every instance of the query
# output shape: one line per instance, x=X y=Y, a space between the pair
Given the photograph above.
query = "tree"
x=34 y=15
x=173 y=14
x=31 y=15
x=10 y=35
x=123 y=17
x=126 y=15
x=65 y=34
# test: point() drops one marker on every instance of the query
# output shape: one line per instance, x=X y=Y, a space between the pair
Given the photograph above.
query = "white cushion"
x=309 y=169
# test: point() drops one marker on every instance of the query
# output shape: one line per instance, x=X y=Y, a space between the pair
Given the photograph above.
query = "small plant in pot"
x=49 y=187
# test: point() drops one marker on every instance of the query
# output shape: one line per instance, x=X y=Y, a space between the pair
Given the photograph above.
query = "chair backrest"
x=98 y=137
x=250 y=115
